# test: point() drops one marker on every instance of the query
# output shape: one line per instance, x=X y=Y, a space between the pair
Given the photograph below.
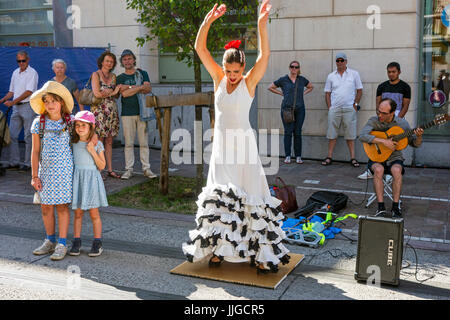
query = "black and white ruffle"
x=238 y=227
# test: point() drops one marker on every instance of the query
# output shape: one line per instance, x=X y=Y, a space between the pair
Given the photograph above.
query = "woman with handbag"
x=292 y=108
x=237 y=218
x=106 y=112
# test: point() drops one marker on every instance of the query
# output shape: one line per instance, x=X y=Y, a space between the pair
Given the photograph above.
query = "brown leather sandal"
x=113 y=175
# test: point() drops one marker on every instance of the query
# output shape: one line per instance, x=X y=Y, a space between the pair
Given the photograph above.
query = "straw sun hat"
x=50 y=87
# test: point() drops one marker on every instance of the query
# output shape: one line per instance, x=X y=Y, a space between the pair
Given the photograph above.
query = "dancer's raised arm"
x=258 y=70
x=211 y=66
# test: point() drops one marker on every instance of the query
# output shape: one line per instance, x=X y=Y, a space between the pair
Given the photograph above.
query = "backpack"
x=336 y=201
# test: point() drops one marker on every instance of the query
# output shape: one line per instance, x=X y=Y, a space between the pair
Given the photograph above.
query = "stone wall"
x=312 y=32
x=106 y=22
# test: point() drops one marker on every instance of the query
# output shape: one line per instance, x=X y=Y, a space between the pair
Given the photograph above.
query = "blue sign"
x=445 y=17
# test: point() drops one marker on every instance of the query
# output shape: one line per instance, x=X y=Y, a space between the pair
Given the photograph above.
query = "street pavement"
x=141 y=247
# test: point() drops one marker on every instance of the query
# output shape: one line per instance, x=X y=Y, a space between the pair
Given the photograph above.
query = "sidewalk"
x=425 y=194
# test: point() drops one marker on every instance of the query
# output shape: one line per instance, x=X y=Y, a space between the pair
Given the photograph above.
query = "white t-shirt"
x=343 y=88
x=23 y=81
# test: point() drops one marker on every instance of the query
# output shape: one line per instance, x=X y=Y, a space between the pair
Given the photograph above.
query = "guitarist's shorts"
x=387 y=169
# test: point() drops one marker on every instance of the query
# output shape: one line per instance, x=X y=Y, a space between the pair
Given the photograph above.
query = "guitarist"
x=385 y=120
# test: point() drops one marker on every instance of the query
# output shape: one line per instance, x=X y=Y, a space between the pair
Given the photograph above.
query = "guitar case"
x=336 y=201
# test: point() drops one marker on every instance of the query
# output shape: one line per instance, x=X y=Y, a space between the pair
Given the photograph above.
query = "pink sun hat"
x=85 y=116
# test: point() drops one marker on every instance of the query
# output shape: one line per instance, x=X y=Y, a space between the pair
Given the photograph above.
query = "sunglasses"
x=21 y=61
x=340 y=60
x=294 y=67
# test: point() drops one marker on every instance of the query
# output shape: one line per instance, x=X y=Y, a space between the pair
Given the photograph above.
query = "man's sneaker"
x=149 y=174
x=299 y=160
x=366 y=175
x=381 y=213
x=127 y=175
x=96 y=249
x=75 y=249
x=60 y=252
x=396 y=213
x=46 y=248
x=287 y=160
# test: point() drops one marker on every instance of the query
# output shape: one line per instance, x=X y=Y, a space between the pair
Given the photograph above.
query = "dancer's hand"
x=215 y=13
x=264 y=12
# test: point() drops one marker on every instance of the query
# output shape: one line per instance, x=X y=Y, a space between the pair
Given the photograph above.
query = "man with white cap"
x=343 y=92
x=24 y=81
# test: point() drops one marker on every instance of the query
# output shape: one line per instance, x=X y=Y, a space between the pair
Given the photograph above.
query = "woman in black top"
x=287 y=85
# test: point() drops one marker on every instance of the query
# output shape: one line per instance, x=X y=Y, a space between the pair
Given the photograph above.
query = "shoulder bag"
x=289 y=112
x=287 y=195
x=87 y=96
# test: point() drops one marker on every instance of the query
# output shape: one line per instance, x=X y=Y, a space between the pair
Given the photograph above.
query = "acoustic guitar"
x=378 y=152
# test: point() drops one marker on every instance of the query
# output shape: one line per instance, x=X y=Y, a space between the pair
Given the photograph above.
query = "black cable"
x=417 y=260
x=352 y=241
x=365 y=195
x=335 y=253
x=417 y=267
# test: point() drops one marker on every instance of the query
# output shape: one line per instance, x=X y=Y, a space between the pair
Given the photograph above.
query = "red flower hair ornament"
x=233 y=44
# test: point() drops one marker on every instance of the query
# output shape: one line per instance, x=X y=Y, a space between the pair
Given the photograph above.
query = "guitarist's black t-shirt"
x=396 y=92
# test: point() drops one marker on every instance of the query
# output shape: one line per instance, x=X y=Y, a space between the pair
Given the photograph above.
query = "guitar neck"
x=410 y=132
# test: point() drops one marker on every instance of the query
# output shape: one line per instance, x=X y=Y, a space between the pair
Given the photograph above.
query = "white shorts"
x=342 y=116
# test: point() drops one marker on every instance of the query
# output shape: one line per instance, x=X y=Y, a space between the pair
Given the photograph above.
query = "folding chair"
x=387 y=186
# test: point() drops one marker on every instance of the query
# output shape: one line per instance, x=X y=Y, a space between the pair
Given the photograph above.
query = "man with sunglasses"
x=343 y=92
x=393 y=166
x=24 y=81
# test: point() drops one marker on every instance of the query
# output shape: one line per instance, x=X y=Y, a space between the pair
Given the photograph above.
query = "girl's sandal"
x=327 y=161
x=113 y=175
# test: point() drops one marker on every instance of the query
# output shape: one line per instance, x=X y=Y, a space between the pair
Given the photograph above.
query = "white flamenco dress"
x=237 y=218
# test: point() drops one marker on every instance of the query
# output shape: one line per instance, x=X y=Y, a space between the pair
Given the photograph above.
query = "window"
x=28 y=22
x=435 y=65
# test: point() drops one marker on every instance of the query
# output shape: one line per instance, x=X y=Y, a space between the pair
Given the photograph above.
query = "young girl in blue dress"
x=88 y=188
x=52 y=163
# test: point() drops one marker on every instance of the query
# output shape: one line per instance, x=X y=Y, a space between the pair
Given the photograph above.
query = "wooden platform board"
x=241 y=273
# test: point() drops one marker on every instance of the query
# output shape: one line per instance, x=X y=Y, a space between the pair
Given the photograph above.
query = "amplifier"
x=380 y=250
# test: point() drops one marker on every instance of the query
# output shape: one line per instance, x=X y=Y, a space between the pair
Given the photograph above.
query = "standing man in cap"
x=136 y=84
x=343 y=92
x=24 y=81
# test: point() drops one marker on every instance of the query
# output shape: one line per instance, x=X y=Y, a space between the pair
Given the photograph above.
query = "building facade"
x=373 y=33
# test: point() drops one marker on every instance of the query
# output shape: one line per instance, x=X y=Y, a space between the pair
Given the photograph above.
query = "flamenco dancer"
x=237 y=219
